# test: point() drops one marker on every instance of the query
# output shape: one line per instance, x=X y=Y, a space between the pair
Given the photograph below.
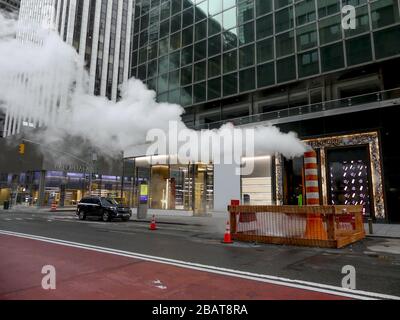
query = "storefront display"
x=186 y=187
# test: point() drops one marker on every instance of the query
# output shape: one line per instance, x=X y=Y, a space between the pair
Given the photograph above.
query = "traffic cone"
x=153 y=225
x=53 y=207
x=227 y=236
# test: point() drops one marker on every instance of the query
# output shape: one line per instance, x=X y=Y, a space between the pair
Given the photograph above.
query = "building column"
x=42 y=186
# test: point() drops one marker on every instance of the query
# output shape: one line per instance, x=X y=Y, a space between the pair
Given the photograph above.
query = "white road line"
x=299 y=284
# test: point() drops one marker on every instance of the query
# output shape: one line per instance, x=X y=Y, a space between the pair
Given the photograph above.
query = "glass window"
x=286 y=69
x=176 y=23
x=265 y=50
x=214 y=25
x=214 y=67
x=230 y=39
x=308 y=63
x=214 y=45
x=186 y=96
x=200 y=30
x=230 y=19
x=201 y=11
x=354 y=2
x=165 y=10
x=282 y=3
x=163 y=83
x=175 y=41
x=164 y=28
x=284 y=19
x=174 y=80
x=153 y=51
x=265 y=26
x=305 y=12
x=152 y=69
x=186 y=75
x=176 y=6
x=266 y=74
x=174 y=60
x=187 y=36
x=199 y=92
x=263 y=7
x=163 y=64
x=285 y=44
x=214 y=7
x=246 y=33
x=174 y=96
x=328 y=7
x=187 y=55
x=230 y=84
x=200 y=50
x=230 y=61
x=247 y=80
x=246 y=56
x=228 y=3
x=307 y=37
x=384 y=12
x=187 y=18
x=332 y=57
x=200 y=71
x=387 y=42
x=214 y=89
x=330 y=29
x=245 y=10
x=362 y=22
x=359 y=50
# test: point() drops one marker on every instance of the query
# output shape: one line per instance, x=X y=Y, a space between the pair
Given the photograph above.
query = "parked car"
x=106 y=209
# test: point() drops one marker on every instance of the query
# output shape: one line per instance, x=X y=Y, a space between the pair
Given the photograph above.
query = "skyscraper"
x=99 y=30
x=292 y=64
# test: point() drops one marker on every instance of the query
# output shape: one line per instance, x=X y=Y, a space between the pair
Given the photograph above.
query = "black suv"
x=104 y=208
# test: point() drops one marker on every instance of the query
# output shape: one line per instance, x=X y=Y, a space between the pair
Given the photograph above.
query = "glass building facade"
x=193 y=52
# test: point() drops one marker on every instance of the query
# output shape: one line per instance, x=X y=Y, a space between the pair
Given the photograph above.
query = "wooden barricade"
x=290 y=225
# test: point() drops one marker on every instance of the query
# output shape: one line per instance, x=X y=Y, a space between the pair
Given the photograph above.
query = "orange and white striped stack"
x=311 y=177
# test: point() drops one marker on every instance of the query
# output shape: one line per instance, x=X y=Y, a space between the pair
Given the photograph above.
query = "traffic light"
x=21 y=149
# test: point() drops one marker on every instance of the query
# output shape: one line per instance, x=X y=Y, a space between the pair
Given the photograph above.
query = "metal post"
x=370 y=226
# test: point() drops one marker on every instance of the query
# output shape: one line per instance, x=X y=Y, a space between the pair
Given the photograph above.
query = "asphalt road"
x=375 y=271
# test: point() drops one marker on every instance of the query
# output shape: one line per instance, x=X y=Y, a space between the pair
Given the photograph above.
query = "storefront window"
x=181 y=183
x=293 y=181
x=175 y=186
x=257 y=186
x=349 y=177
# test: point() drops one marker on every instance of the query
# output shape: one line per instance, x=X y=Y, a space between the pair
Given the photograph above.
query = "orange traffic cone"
x=227 y=236
x=53 y=206
x=315 y=229
x=153 y=225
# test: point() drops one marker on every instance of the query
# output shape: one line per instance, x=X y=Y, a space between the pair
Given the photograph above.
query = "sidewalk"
x=383 y=230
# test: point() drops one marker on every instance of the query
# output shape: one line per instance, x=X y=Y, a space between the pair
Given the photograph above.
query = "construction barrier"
x=53 y=207
x=317 y=226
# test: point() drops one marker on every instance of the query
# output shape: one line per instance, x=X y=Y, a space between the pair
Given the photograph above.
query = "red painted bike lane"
x=85 y=274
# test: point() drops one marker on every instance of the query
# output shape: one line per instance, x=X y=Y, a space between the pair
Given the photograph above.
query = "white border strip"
x=299 y=284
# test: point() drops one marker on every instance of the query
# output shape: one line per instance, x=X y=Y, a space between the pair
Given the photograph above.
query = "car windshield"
x=109 y=202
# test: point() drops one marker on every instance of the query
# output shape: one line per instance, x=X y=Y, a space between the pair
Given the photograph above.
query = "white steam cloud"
x=46 y=85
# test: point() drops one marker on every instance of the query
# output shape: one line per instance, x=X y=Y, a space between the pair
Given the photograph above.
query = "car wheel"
x=81 y=215
x=106 y=216
x=125 y=219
